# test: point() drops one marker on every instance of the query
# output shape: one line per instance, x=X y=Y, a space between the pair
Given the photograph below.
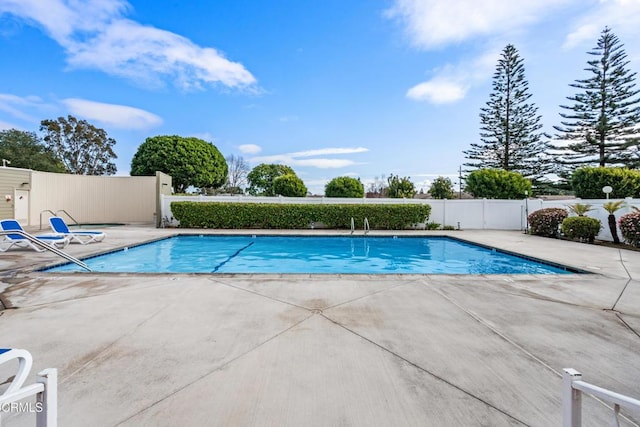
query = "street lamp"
x=606 y=190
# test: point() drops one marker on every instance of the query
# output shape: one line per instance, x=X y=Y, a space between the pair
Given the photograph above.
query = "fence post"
x=47 y=416
x=484 y=213
x=444 y=212
x=571 y=399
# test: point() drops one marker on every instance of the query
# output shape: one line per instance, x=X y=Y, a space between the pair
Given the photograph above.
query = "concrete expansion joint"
x=627 y=325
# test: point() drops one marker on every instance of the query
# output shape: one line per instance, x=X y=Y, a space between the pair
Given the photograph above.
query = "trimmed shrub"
x=630 y=228
x=289 y=185
x=545 y=222
x=344 y=186
x=581 y=227
x=587 y=182
x=497 y=184
x=295 y=216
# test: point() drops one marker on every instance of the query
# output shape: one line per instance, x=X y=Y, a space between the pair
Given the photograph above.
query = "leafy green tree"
x=82 y=148
x=400 y=187
x=497 y=184
x=190 y=161
x=344 y=186
x=261 y=178
x=289 y=185
x=510 y=132
x=441 y=188
x=603 y=120
x=25 y=150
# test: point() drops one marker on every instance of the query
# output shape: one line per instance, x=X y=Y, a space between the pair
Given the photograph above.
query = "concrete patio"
x=325 y=350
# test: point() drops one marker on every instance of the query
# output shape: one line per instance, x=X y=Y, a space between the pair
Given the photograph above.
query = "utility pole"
x=460 y=182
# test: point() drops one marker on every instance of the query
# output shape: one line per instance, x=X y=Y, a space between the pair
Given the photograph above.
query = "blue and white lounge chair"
x=45 y=389
x=60 y=228
x=9 y=240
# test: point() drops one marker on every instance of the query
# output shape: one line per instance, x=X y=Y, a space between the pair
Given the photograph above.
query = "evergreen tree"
x=510 y=133
x=600 y=125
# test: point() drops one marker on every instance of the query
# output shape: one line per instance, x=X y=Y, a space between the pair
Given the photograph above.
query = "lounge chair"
x=60 y=228
x=9 y=240
x=45 y=389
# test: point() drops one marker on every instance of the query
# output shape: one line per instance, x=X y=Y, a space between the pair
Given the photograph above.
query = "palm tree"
x=580 y=208
x=611 y=207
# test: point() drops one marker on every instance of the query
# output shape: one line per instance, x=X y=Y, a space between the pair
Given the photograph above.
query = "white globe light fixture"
x=606 y=190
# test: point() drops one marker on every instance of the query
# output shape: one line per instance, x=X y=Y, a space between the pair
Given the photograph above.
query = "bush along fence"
x=554 y=222
x=630 y=228
x=296 y=216
x=465 y=214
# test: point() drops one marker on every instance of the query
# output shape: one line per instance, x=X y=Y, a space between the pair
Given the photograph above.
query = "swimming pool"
x=303 y=254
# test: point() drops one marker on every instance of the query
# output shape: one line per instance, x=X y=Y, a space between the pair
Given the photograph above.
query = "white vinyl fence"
x=468 y=214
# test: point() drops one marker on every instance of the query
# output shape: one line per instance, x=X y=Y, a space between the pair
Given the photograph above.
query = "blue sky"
x=362 y=88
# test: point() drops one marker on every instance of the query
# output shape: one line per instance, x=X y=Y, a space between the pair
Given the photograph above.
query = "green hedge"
x=587 y=182
x=295 y=216
x=497 y=184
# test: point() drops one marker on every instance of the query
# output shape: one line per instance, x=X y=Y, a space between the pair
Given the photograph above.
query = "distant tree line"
x=68 y=145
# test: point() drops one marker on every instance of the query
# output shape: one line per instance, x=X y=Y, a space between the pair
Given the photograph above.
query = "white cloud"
x=122 y=47
x=320 y=163
x=301 y=158
x=325 y=151
x=622 y=16
x=437 y=91
x=119 y=116
x=250 y=148
x=434 y=23
x=62 y=18
x=15 y=105
x=452 y=82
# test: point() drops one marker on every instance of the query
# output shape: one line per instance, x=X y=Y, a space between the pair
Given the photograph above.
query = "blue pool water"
x=297 y=254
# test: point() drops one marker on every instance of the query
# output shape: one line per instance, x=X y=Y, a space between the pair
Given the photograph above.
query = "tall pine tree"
x=510 y=128
x=600 y=128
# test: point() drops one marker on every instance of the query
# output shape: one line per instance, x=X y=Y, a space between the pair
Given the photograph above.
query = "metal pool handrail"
x=573 y=386
x=57 y=213
x=43 y=245
x=46 y=210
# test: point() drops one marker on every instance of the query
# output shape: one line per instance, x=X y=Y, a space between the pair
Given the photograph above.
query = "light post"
x=526 y=211
x=606 y=190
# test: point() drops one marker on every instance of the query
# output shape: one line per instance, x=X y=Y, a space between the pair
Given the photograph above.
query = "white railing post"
x=47 y=415
x=571 y=399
